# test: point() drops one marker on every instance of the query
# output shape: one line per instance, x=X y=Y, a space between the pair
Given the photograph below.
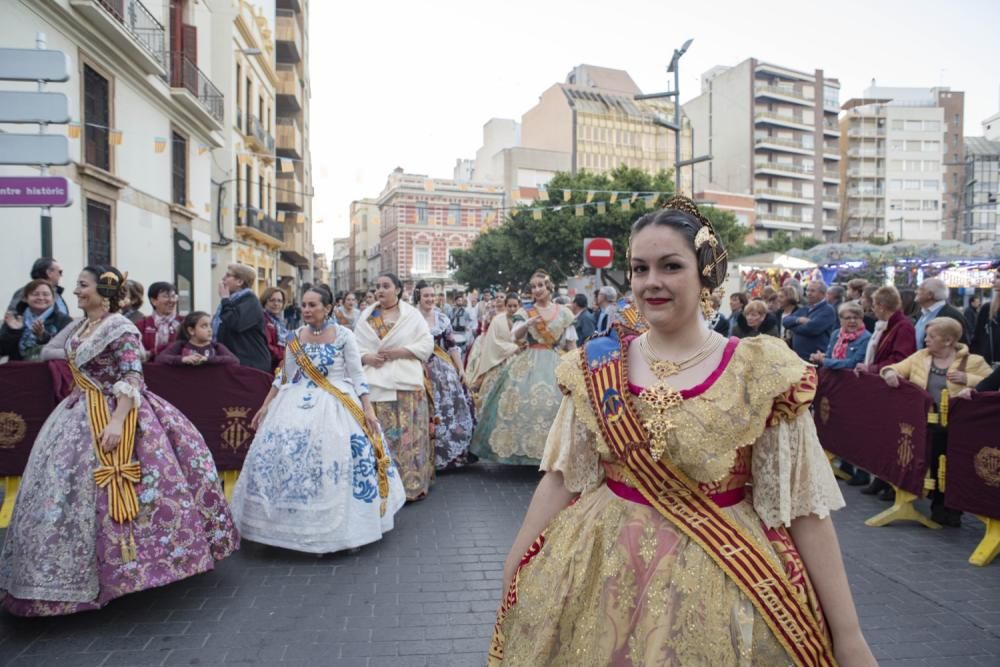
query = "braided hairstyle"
x=110 y=284
x=682 y=214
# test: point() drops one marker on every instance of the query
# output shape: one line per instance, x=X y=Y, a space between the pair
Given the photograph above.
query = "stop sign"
x=598 y=253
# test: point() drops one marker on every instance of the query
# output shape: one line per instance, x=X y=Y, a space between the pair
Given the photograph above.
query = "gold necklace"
x=661 y=397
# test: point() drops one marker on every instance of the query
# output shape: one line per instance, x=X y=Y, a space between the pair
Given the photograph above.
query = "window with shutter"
x=97 y=119
x=98 y=233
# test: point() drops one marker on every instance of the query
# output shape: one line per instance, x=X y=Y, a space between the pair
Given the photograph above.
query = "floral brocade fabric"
x=62 y=552
x=519 y=404
x=613 y=582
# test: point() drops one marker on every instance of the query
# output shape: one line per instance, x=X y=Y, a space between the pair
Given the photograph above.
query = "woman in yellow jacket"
x=943 y=364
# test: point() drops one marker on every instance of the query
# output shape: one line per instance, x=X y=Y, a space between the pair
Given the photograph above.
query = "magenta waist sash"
x=723 y=499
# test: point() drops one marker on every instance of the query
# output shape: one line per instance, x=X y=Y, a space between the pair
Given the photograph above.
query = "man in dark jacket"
x=932 y=297
x=811 y=332
x=584 y=322
x=239 y=321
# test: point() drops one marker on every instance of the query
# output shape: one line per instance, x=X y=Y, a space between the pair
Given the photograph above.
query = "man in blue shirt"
x=811 y=331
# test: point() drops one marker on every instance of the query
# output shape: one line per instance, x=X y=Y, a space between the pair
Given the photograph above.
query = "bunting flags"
x=614 y=197
x=159 y=144
x=73 y=131
x=626 y=205
x=590 y=196
x=601 y=208
x=281 y=216
x=115 y=137
x=567 y=195
x=578 y=212
x=285 y=165
x=202 y=148
x=429 y=185
x=537 y=214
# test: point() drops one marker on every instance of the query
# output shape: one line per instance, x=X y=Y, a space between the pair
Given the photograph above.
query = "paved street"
x=425 y=595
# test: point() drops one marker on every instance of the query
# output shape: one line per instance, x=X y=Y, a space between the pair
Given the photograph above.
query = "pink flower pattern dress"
x=63 y=552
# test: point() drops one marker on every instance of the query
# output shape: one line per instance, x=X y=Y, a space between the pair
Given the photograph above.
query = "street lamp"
x=675 y=125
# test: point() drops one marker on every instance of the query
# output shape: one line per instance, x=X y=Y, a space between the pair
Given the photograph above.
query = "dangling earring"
x=707 y=309
x=106 y=303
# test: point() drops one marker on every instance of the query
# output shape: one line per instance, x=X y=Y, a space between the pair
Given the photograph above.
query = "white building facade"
x=892 y=157
x=148 y=116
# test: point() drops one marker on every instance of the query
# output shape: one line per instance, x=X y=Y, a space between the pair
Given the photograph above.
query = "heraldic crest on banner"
x=236 y=431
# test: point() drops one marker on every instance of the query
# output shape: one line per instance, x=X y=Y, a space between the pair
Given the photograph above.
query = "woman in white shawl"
x=497 y=347
x=394 y=342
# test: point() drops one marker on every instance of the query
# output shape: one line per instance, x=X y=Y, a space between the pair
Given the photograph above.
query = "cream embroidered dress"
x=612 y=582
x=518 y=407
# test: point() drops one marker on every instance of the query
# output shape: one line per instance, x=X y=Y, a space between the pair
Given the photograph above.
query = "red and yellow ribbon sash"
x=381 y=458
x=541 y=328
x=117 y=472
x=680 y=500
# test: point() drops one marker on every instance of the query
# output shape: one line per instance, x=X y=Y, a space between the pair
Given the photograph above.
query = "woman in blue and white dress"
x=311 y=480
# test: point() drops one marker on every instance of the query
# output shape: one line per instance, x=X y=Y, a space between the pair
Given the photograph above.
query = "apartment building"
x=980 y=214
x=244 y=170
x=294 y=183
x=893 y=153
x=772 y=132
x=364 y=244
x=424 y=220
x=146 y=116
x=594 y=118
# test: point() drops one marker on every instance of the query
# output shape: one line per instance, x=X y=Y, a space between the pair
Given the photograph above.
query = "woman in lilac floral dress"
x=93 y=520
x=452 y=408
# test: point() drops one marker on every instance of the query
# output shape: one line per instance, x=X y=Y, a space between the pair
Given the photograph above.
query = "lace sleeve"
x=791 y=474
x=571 y=449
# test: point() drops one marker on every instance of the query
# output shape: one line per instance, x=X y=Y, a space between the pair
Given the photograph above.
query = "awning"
x=294 y=259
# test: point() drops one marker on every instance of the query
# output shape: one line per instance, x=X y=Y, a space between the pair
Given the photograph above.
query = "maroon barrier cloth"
x=219 y=400
x=972 y=471
x=26 y=399
x=881 y=429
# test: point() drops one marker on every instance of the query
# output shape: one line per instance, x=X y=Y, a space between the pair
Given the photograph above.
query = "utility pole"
x=675 y=125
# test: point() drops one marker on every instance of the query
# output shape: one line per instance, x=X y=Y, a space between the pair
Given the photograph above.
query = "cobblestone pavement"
x=426 y=594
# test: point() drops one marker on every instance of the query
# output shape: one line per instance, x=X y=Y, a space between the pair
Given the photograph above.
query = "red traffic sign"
x=598 y=253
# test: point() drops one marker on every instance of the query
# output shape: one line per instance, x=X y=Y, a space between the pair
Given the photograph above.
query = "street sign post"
x=34 y=191
x=34 y=65
x=22 y=107
x=39 y=65
x=34 y=149
x=598 y=252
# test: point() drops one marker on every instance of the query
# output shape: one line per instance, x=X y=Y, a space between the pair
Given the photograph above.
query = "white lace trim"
x=791 y=474
x=123 y=388
x=111 y=329
x=570 y=449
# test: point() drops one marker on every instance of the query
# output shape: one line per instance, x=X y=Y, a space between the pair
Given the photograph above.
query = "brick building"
x=423 y=220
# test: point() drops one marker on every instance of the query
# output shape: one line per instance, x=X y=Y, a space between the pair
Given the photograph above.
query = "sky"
x=410 y=84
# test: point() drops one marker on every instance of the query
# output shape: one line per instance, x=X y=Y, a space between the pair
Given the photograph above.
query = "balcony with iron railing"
x=783 y=94
x=259 y=138
x=784 y=195
x=778 y=143
x=195 y=91
x=795 y=122
x=257 y=224
x=288 y=38
x=794 y=170
x=132 y=28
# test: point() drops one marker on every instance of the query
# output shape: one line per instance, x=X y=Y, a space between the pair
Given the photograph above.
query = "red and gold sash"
x=681 y=501
x=321 y=381
x=117 y=472
x=542 y=329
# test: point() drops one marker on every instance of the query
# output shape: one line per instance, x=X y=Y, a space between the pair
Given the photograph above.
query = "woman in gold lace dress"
x=643 y=544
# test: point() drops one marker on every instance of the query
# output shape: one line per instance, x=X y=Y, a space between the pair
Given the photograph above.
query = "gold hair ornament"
x=706 y=234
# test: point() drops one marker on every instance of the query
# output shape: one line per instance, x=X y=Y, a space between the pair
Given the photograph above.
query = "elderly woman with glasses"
x=849 y=343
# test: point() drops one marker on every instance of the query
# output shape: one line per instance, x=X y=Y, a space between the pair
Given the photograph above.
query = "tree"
x=782 y=242
x=508 y=254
